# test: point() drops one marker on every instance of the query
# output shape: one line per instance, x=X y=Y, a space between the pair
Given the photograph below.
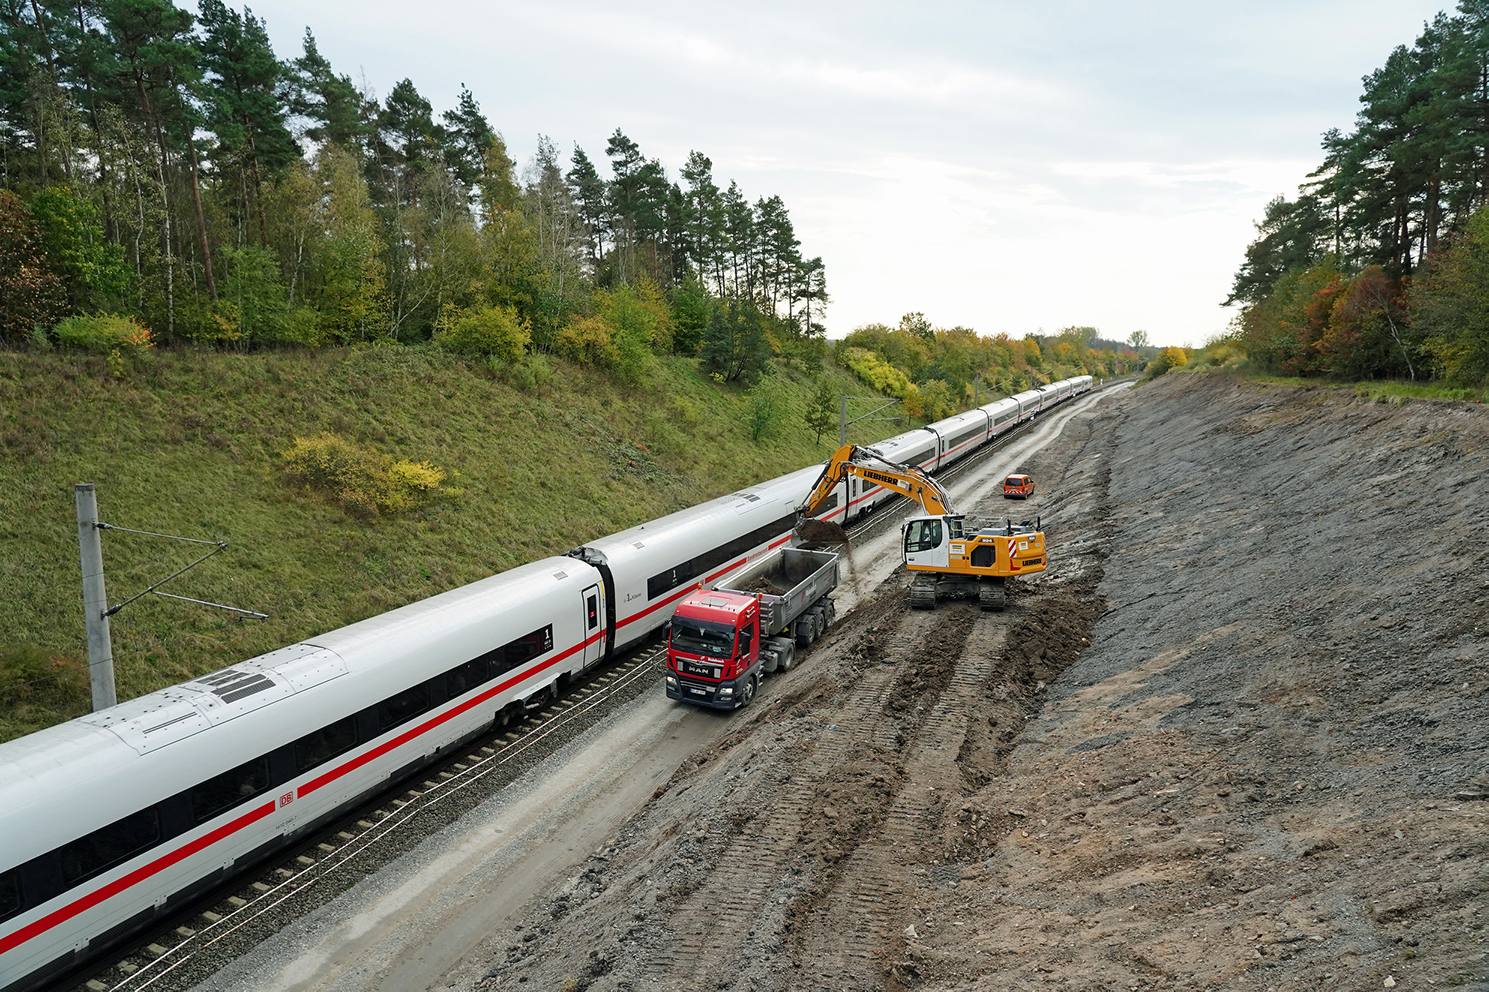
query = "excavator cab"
x=928 y=540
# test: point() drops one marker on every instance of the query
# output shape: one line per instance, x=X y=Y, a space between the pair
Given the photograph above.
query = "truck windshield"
x=701 y=637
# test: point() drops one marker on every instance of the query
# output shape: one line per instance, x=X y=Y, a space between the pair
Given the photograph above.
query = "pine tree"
x=820 y=413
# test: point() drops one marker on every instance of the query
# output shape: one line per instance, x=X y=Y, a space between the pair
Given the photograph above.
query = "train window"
x=105 y=848
x=527 y=647
x=403 y=707
x=10 y=894
x=967 y=434
x=325 y=743
x=464 y=678
x=830 y=503
x=229 y=789
x=689 y=570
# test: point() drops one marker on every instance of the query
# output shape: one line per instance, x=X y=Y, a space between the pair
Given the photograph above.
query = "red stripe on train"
x=133 y=878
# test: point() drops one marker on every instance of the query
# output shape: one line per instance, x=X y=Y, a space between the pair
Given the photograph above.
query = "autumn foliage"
x=31 y=295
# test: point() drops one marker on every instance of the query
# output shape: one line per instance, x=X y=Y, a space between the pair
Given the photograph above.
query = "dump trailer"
x=722 y=640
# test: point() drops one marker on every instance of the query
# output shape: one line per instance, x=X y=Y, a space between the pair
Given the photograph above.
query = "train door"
x=594 y=624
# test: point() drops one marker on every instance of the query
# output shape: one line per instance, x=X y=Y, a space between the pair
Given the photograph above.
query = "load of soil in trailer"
x=763 y=584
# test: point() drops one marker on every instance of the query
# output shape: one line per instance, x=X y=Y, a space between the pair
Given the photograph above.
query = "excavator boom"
x=907 y=480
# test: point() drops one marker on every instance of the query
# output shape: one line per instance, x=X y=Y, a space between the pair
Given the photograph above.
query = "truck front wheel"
x=747 y=693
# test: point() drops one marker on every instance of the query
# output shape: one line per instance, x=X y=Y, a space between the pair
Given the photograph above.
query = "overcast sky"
x=1003 y=166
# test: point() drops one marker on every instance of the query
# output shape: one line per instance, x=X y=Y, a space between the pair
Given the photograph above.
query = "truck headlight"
x=728 y=690
x=671 y=680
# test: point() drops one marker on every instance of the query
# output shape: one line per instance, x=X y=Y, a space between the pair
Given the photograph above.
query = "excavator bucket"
x=814 y=531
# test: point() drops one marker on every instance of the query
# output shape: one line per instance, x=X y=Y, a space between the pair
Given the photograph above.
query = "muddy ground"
x=1234 y=738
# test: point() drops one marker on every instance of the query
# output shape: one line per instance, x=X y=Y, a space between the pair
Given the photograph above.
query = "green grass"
x=190 y=443
x=1394 y=392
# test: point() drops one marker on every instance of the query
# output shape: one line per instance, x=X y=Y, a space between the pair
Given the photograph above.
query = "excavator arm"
x=907 y=480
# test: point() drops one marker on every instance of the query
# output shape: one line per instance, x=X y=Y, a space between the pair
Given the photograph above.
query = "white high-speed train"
x=116 y=818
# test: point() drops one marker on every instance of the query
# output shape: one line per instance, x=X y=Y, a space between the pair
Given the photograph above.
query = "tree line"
x=1379 y=268
x=169 y=168
x=935 y=372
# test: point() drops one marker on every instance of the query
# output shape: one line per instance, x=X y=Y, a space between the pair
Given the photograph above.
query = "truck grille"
x=695 y=688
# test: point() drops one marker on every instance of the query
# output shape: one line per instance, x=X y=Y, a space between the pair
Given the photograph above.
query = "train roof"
x=64 y=766
x=991 y=409
x=781 y=495
x=962 y=420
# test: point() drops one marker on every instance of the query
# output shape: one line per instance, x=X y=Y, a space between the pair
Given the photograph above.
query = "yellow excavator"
x=943 y=553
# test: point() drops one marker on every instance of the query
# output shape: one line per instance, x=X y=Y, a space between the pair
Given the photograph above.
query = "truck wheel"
x=748 y=692
x=788 y=657
x=992 y=594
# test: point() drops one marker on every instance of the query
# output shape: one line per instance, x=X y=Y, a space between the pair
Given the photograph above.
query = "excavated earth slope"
x=1234 y=738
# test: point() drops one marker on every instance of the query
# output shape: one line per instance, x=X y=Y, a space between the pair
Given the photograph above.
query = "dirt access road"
x=1265 y=769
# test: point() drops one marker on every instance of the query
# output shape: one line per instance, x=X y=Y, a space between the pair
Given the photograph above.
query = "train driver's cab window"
x=922 y=535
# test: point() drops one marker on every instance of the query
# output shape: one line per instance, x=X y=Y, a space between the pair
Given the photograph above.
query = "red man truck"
x=722 y=640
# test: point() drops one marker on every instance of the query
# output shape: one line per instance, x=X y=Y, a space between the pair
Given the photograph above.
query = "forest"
x=166 y=179
x=172 y=170
x=1379 y=268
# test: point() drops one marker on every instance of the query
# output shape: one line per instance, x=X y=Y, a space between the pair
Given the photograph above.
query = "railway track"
x=238 y=915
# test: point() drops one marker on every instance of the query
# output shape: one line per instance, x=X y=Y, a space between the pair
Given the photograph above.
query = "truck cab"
x=713 y=649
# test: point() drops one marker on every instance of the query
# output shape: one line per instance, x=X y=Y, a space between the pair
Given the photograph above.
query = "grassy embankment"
x=191 y=443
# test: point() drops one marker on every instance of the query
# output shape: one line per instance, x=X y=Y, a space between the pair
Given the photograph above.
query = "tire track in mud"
x=709 y=925
x=836 y=929
x=864 y=900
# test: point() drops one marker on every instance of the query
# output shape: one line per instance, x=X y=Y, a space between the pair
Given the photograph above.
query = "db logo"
x=286 y=799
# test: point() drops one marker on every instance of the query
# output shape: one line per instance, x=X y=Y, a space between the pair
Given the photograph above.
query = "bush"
x=877 y=372
x=104 y=333
x=1168 y=358
x=494 y=331
x=763 y=415
x=361 y=480
x=588 y=340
